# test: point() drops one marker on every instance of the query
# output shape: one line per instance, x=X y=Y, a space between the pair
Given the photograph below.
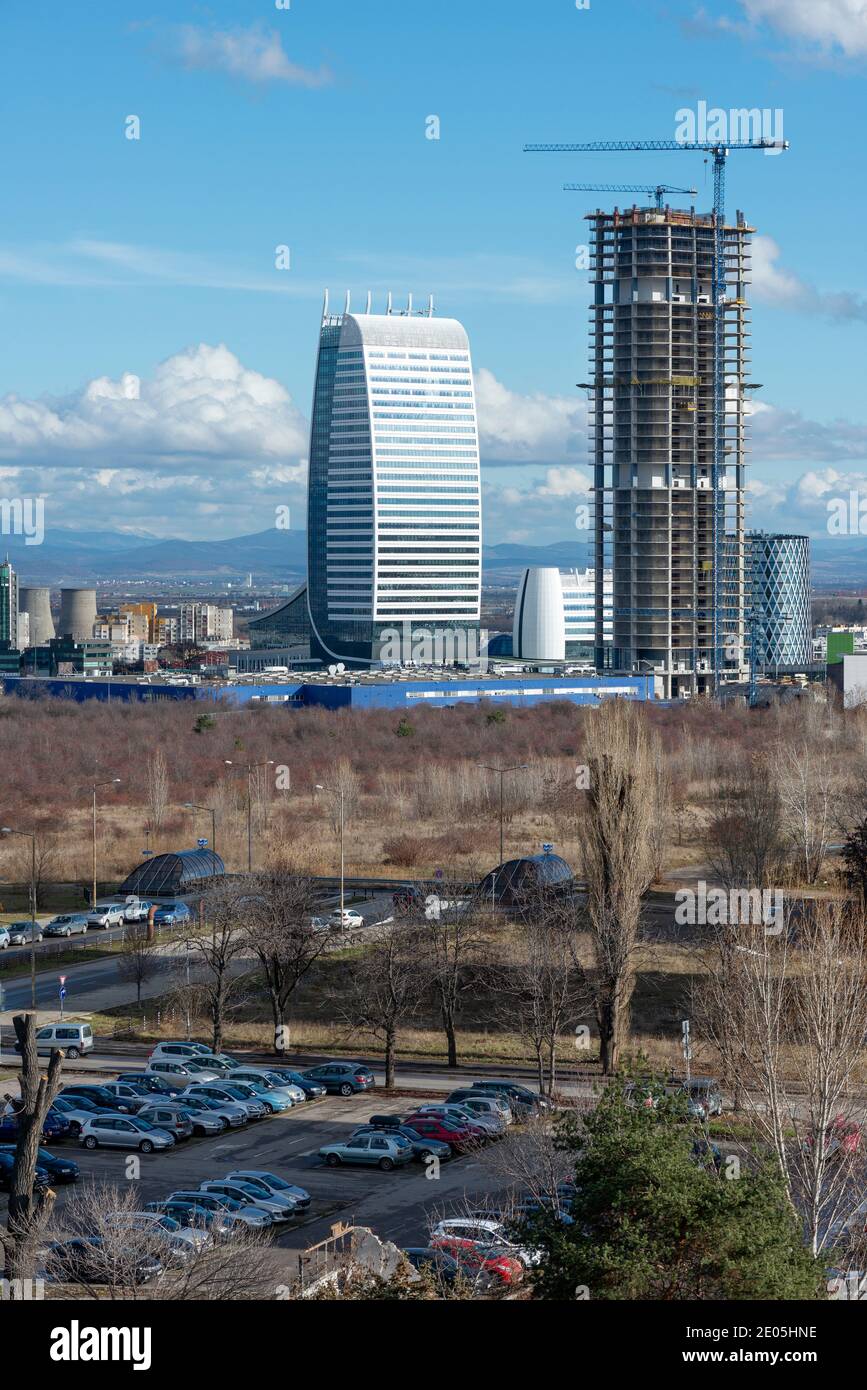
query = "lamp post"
x=251 y=768
x=111 y=782
x=29 y=835
x=211 y=810
x=518 y=767
x=320 y=788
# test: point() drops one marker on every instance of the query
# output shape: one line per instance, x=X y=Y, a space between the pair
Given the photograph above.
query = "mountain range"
x=274 y=556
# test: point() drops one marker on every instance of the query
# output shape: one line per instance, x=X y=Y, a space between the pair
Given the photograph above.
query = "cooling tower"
x=77 y=614
x=540 y=622
x=37 y=603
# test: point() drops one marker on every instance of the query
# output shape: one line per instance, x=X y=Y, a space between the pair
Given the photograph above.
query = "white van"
x=72 y=1039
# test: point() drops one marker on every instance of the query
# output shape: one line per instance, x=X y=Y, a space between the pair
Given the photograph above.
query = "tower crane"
x=720 y=152
x=658 y=191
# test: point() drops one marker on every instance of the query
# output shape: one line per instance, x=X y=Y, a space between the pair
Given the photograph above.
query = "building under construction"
x=668 y=523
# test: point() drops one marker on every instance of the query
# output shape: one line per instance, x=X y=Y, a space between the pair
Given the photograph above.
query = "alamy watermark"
x=716 y=126
x=732 y=907
x=23 y=516
x=409 y=645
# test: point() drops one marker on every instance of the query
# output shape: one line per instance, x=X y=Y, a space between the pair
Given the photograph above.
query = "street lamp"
x=29 y=835
x=194 y=806
x=111 y=782
x=320 y=788
x=518 y=767
x=251 y=767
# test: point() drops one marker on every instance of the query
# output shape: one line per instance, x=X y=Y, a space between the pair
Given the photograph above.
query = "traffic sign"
x=62 y=991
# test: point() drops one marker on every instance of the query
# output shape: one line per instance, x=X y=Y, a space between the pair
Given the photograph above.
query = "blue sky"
x=156 y=367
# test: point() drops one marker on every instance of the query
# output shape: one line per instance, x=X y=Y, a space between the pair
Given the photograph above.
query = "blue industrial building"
x=362 y=693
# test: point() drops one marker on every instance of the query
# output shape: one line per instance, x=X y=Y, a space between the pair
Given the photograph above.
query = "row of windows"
x=411 y=489
x=428 y=455
x=444 y=549
x=391 y=512
x=424 y=414
x=425 y=587
x=424 y=356
x=429 y=394
x=468 y=526
x=435 y=428
x=385 y=474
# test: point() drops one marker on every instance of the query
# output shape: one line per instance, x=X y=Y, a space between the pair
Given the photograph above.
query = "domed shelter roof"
x=167 y=875
x=518 y=880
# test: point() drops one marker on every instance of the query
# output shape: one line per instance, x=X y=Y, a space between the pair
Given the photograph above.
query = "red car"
x=432 y=1127
x=451 y=1121
x=489 y=1266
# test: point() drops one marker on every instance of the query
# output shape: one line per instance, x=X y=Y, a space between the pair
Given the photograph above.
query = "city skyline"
x=156 y=373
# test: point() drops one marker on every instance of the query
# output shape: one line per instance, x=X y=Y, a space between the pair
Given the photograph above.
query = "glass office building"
x=778 y=567
x=394 y=501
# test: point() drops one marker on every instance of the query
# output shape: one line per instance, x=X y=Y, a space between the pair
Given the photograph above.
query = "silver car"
x=239 y=1095
x=172 y=1119
x=124 y=1132
x=231 y=1114
x=204 y=1122
x=183 y=1073
x=20 y=933
x=279 y=1206
x=247 y=1215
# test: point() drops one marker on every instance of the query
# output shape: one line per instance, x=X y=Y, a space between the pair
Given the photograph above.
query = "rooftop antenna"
x=325 y=308
x=409 y=304
x=346 y=309
x=388 y=310
x=369 y=300
x=430 y=307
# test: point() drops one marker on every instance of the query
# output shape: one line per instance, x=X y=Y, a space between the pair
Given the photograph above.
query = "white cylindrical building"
x=77 y=613
x=539 y=631
x=36 y=602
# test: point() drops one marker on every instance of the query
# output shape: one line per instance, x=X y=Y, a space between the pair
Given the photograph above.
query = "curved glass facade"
x=394 y=501
x=779 y=569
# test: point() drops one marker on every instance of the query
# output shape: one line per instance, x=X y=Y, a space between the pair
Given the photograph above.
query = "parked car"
x=149 y=1081
x=136 y=910
x=242 y=1213
x=273 y=1096
x=272 y=1078
x=439 y=1264
x=55 y=1126
x=377 y=1150
x=349 y=918
x=76 y=1109
x=486 y=1267
x=86 y=1260
x=105 y=916
x=5 y=939
x=312 y=1090
x=479 y=1128
x=163 y=1229
x=407 y=897
x=177 y=1051
x=172 y=915
x=446 y=1131
x=104 y=1096
x=204 y=1121
x=280 y=1206
x=133 y=1094
x=124 y=1132
x=524 y=1102
x=231 y=1114
x=67 y=924
x=240 y=1095
x=493 y=1103
x=20 y=933
x=163 y=1114
x=58 y=1169
x=260 y=1177
x=486 y=1233
x=186 y=1072
x=41 y=1182
x=342 y=1078
x=422 y=1149
x=72 y=1039
x=189 y=1216
x=706 y=1091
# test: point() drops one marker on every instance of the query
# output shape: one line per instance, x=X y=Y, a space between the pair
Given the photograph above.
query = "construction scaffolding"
x=669 y=495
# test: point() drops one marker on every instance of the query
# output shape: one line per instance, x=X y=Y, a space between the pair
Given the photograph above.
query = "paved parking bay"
x=395 y=1205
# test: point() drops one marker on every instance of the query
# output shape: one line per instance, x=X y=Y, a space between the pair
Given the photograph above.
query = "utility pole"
x=111 y=782
x=501 y=771
x=251 y=768
x=193 y=806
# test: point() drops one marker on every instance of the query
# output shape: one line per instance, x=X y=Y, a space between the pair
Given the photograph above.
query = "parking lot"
x=395 y=1204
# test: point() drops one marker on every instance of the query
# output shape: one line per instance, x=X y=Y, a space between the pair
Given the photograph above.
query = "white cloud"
x=824 y=24
x=773 y=284
x=522 y=429
x=255 y=54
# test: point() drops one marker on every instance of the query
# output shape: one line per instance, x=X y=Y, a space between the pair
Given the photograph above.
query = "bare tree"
x=219 y=948
x=29 y=1210
x=138 y=959
x=36 y=862
x=744 y=842
x=794 y=1014
x=616 y=864
x=342 y=784
x=452 y=947
x=278 y=905
x=157 y=789
x=386 y=987
x=806 y=793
